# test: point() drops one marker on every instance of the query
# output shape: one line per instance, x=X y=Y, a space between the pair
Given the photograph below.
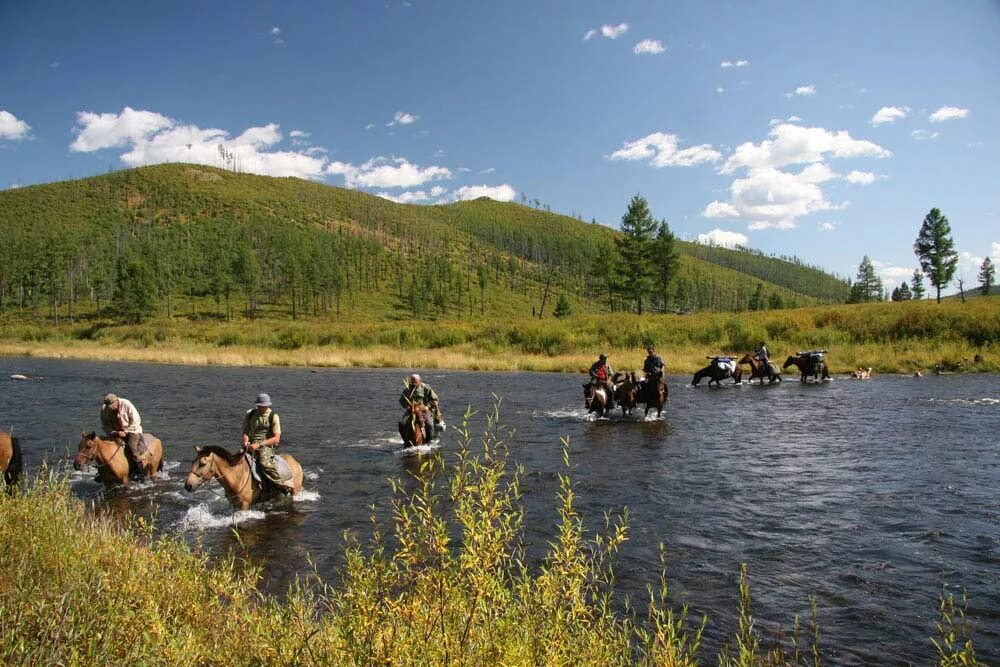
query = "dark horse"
x=415 y=428
x=759 y=371
x=595 y=399
x=11 y=462
x=809 y=363
x=626 y=391
x=654 y=393
x=718 y=370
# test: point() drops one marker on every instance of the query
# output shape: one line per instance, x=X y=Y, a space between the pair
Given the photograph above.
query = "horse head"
x=203 y=468
x=86 y=450
x=792 y=361
x=746 y=359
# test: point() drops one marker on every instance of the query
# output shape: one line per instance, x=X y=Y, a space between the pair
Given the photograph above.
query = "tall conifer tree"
x=936 y=250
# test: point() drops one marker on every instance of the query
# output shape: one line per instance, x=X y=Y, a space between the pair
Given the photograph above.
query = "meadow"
x=890 y=337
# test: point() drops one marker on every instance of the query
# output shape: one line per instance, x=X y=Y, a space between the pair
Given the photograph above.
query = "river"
x=869 y=495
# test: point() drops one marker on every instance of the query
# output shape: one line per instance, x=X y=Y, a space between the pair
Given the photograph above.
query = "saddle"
x=284 y=472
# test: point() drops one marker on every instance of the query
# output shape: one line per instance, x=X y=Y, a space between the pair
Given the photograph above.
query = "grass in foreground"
x=450 y=586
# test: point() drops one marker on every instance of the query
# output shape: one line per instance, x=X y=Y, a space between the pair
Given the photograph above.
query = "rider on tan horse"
x=121 y=421
x=261 y=434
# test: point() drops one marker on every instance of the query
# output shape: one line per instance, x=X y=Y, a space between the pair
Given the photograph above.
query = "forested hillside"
x=189 y=240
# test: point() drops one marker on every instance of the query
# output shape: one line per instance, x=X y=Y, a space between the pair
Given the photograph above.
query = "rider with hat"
x=652 y=368
x=261 y=434
x=121 y=421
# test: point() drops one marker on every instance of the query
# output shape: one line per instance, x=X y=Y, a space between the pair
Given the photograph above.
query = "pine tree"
x=135 y=289
x=987 y=275
x=867 y=286
x=636 y=248
x=918 y=286
x=666 y=259
x=936 y=250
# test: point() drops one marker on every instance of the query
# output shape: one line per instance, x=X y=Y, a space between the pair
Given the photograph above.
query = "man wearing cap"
x=261 y=434
x=120 y=420
x=420 y=393
x=600 y=376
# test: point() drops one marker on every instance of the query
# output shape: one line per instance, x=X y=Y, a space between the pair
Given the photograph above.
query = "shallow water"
x=868 y=495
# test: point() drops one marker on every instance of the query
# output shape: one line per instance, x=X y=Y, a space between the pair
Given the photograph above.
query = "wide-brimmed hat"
x=602 y=356
x=110 y=399
x=263 y=401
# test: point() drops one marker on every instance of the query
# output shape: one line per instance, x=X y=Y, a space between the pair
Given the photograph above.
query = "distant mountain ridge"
x=255 y=243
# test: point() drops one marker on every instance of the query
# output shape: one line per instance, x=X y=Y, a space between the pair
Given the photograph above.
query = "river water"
x=869 y=495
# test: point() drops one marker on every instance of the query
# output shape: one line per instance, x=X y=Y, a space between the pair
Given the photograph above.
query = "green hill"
x=199 y=241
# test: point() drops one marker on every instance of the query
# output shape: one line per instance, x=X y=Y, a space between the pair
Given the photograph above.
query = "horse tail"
x=16 y=466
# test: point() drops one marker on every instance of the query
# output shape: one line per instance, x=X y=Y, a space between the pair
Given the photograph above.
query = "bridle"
x=214 y=473
x=93 y=447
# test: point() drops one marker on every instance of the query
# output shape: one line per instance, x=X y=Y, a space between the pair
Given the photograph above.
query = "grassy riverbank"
x=889 y=337
x=79 y=589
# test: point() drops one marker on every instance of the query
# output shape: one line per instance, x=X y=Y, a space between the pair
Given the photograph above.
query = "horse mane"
x=224 y=454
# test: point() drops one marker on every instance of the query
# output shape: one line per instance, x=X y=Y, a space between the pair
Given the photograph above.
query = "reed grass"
x=447 y=584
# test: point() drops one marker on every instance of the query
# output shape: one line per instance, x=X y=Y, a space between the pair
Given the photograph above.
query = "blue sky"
x=821 y=130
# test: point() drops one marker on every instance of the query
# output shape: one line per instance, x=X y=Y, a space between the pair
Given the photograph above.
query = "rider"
x=761 y=354
x=652 y=368
x=420 y=393
x=261 y=434
x=121 y=421
x=600 y=376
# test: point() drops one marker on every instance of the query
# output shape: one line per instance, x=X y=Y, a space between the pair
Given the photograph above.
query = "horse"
x=718 y=370
x=654 y=393
x=757 y=369
x=233 y=472
x=595 y=399
x=112 y=463
x=809 y=363
x=415 y=429
x=626 y=391
x=11 y=461
x=862 y=373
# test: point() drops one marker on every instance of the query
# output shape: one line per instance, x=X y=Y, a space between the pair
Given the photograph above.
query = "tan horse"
x=233 y=472
x=112 y=463
x=757 y=369
x=11 y=463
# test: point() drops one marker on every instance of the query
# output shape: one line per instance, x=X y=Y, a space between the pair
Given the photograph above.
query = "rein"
x=90 y=456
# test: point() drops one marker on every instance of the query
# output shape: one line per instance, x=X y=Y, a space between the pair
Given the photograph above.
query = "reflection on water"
x=866 y=495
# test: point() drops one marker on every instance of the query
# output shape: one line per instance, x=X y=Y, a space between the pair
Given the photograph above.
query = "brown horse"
x=595 y=399
x=415 y=428
x=112 y=463
x=626 y=391
x=757 y=369
x=11 y=462
x=718 y=370
x=654 y=393
x=233 y=472
x=809 y=363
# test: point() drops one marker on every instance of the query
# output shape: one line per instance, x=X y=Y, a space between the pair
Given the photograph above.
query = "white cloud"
x=793 y=144
x=408 y=197
x=861 y=177
x=488 y=170
x=109 y=130
x=827 y=226
x=723 y=238
x=651 y=46
x=893 y=276
x=497 y=192
x=614 y=31
x=12 y=128
x=778 y=121
x=889 y=115
x=803 y=91
x=275 y=31
x=660 y=149
x=402 y=118
x=948 y=113
x=995 y=251
x=768 y=197
x=726 y=64
x=387 y=173
x=151 y=138
x=295 y=134
x=370 y=126
x=589 y=34
x=923 y=135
